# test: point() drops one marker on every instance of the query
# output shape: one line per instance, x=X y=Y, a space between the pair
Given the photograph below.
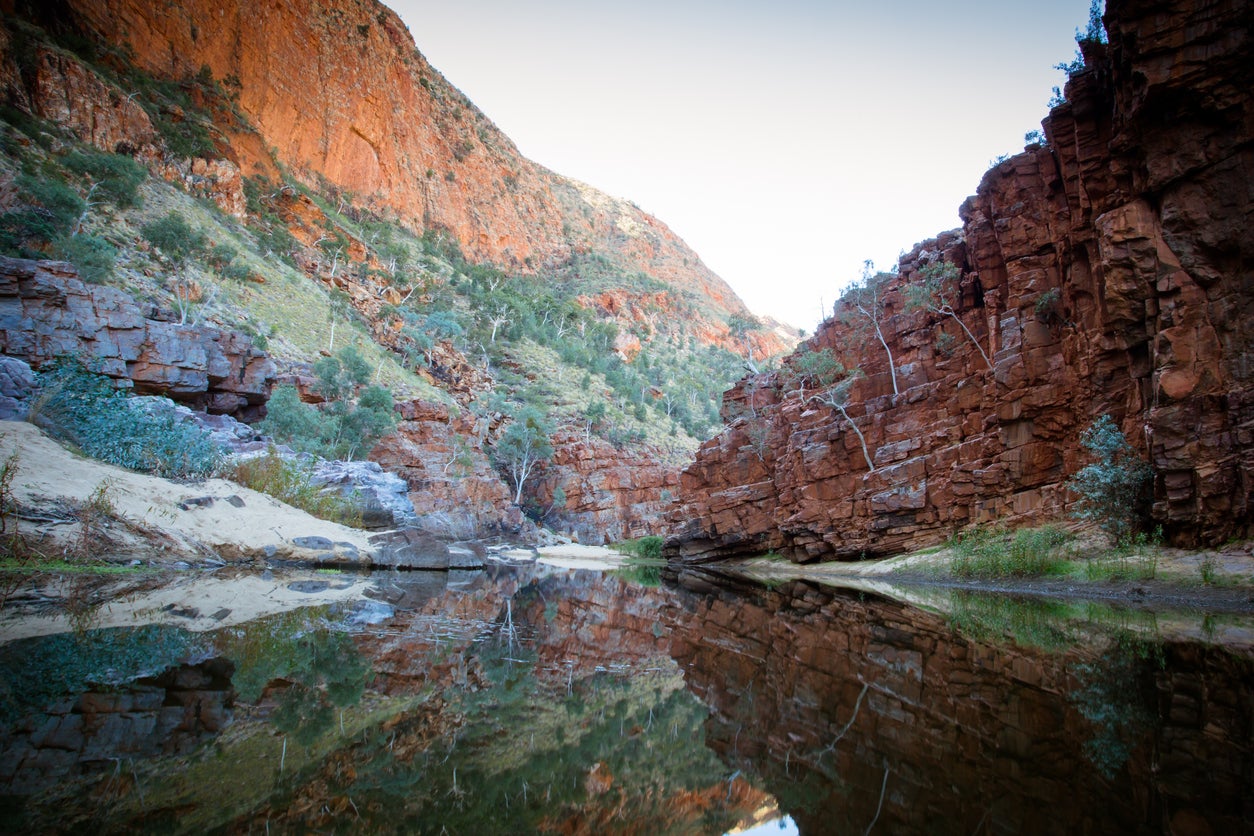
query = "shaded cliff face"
x=1105 y=271
x=455 y=491
x=610 y=493
x=852 y=709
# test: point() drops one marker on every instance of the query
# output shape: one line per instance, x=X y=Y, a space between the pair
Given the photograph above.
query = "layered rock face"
x=455 y=491
x=1105 y=271
x=46 y=311
x=853 y=709
x=610 y=494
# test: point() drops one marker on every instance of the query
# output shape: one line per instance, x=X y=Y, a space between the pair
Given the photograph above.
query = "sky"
x=786 y=142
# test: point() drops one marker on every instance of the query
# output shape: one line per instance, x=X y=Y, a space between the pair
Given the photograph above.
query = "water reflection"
x=855 y=710
x=527 y=700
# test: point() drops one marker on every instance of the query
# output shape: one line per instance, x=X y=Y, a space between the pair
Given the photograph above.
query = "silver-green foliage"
x=86 y=408
x=1112 y=489
x=524 y=444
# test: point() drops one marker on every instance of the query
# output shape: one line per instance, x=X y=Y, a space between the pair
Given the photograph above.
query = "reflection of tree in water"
x=1115 y=694
x=497 y=748
x=322 y=665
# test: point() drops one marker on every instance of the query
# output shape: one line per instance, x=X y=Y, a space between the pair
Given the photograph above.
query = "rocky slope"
x=319 y=131
x=1105 y=270
x=340 y=97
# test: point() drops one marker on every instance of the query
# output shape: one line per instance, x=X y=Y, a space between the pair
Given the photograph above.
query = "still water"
x=526 y=699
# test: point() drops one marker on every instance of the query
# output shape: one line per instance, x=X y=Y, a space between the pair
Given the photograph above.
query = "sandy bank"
x=180 y=520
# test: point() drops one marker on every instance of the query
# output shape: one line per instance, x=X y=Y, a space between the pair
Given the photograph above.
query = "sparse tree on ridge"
x=830 y=384
x=862 y=307
x=938 y=292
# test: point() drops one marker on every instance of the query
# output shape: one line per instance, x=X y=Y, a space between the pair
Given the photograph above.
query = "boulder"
x=17 y=384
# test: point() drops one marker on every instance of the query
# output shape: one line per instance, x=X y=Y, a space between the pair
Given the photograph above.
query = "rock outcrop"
x=1104 y=271
x=607 y=493
x=46 y=312
x=454 y=489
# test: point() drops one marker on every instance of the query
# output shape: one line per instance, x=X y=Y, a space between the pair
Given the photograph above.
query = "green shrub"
x=94 y=257
x=48 y=210
x=174 y=236
x=185 y=137
x=342 y=428
x=648 y=548
x=1113 y=489
x=291 y=482
x=1029 y=552
x=117 y=178
x=105 y=424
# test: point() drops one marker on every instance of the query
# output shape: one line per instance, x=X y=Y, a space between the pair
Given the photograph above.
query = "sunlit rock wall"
x=1109 y=269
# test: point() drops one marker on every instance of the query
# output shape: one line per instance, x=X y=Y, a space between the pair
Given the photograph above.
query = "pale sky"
x=786 y=142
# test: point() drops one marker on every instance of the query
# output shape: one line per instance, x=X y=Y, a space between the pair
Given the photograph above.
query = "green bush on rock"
x=86 y=409
x=343 y=427
x=1113 y=488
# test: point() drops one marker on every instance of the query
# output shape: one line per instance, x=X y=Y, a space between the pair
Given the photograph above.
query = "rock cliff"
x=46 y=311
x=1105 y=270
x=607 y=493
x=455 y=491
x=339 y=95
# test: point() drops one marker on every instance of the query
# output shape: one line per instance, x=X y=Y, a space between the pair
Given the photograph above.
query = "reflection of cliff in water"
x=853 y=709
x=506 y=701
x=524 y=700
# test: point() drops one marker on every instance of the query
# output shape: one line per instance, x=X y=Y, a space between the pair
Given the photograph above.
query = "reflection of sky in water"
x=779 y=827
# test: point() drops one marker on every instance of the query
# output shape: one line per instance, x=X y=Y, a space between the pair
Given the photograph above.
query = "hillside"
x=1103 y=271
x=299 y=174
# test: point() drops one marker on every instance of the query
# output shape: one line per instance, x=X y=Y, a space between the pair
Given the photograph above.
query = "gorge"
x=1105 y=270
x=407 y=347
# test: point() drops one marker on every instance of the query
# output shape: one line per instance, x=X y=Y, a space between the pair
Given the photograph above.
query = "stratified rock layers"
x=47 y=312
x=1109 y=270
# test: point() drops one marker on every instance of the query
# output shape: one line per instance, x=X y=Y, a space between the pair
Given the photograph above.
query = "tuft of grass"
x=290 y=482
x=1135 y=559
x=1029 y=552
x=1207 y=570
x=646 y=548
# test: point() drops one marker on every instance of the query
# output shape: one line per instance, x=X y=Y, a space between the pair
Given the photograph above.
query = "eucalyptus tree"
x=862 y=306
x=829 y=383
x=938 y=292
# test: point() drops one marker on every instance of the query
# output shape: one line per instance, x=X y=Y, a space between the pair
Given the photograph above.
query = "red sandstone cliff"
x=1107 y=270
x=335 y=96
x=339 y=95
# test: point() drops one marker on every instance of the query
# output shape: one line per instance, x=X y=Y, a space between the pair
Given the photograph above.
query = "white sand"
x=576 y=556
x=49 y=471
